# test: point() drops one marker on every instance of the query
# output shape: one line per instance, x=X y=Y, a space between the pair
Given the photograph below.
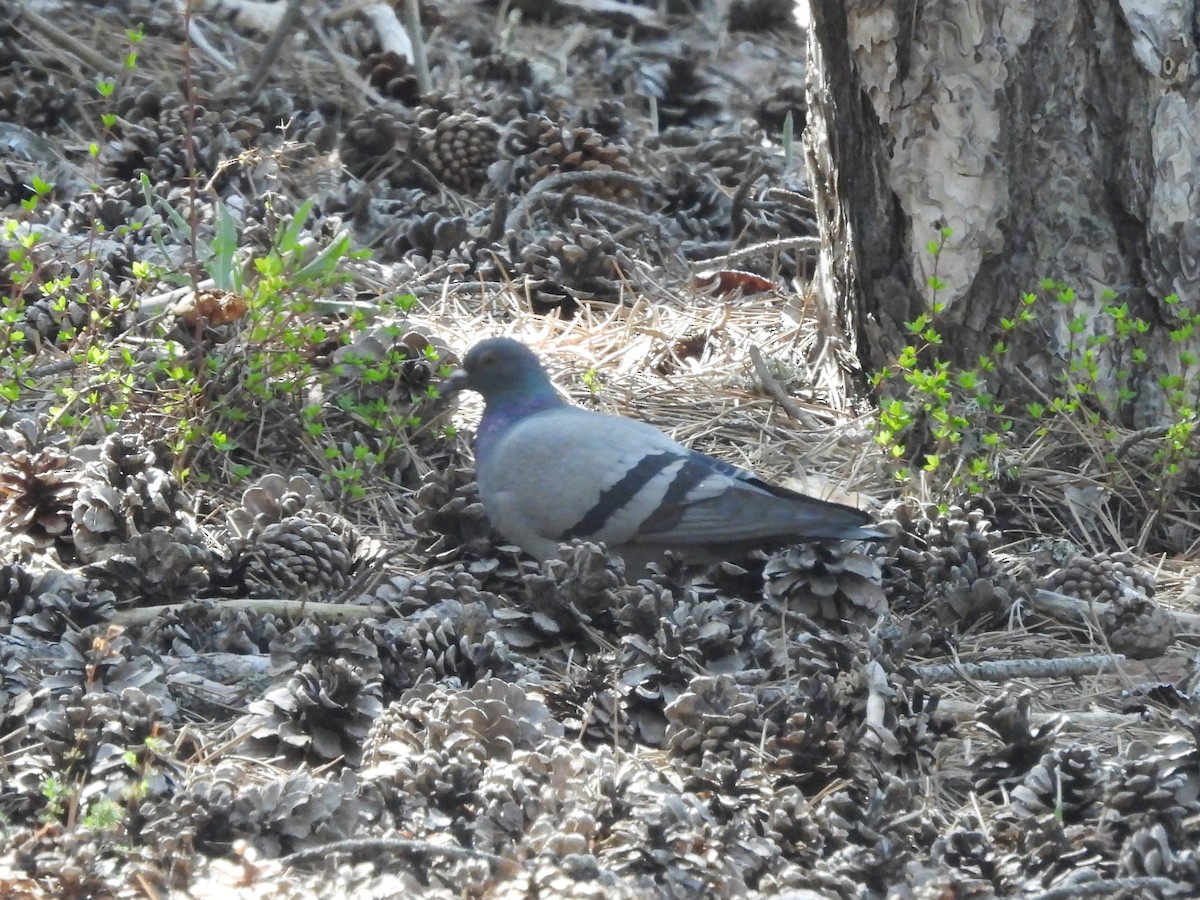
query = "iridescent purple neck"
x=501 y=414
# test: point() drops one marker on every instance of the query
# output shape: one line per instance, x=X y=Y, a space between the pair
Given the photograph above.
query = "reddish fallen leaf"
x=726 y=281
x=213 y=307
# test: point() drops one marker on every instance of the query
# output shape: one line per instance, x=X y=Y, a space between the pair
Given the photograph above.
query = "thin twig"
x=792 y=198
x=1075 y=611
x=965 y=711
x=54 y=368
x=373 y=846
x=287 y=24
x=291 y=609
x=561 y=180
x=775 y=389
x=412 y=21
x=65 y=42
x=737 y=210
x=1008 y=669
x=776 y=246
x=1108 y=887
x=1146 y=434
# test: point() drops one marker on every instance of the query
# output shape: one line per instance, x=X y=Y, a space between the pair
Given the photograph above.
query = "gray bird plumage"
x=549 y=471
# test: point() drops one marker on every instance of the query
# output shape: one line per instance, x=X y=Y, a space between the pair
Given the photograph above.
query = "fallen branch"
x=562 y=180
x=374 y=847
x=1008 y=669
x=1091 y=719
x=778 y=245
x=64 y=42
x=266 y=63
x=1110 y=887
x=775 y=389
x=1075 y=611
x=291 y=609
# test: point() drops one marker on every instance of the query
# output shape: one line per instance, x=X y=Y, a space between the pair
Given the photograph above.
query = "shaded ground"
x=255 y=633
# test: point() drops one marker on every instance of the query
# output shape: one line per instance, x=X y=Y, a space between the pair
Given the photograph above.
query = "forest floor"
x=257 y=638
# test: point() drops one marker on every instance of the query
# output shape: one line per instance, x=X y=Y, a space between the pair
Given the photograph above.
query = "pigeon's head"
x=501 y=369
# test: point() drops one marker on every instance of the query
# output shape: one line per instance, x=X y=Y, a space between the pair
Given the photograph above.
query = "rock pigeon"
x=549 y=471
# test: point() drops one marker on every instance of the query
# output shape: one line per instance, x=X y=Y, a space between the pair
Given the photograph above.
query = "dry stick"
x=412 y=20
x=1076 y=611
x=776 y=246
x=287 y=24
x=1112 y=886
x=143 y=615
x=1146 y=434
x=700 y=251
x=54 y=368
x=64 y=41
x=341 y=63
x=737 y=209
x=794 y=198
x=392 y=33
x=372 y=846
x=599 y=206
x=966 y=711
x=1006 y=670
x=775 y=389
x=560 y=180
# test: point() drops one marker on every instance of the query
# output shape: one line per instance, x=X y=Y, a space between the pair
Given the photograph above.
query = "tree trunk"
x=1056 y=141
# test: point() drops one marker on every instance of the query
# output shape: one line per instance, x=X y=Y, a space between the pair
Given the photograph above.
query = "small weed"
x=947 y=420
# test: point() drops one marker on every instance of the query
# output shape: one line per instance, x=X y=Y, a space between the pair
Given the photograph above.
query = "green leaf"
x=327 y=260
x=288 y=238
x=223 y=267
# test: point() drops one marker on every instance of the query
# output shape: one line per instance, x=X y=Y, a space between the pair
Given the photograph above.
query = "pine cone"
x=374 y=140
x=562 y=269
x=1022 y=745
x=787 y=97
x=827 y=581
x=393 y=76
x=715 y=715
x=323 y=712
x=458 y=148
x=411 y=358
x=298 y=554
x=37 y=490
x=1065 y=782
x=451 y=523
x=450 y=642
x=271 y=499
x=538 y=146
x=1103 y=577
x=55 y=602
x=1148 y=786
x=54 y=317
x=945 y=560
x=1138 y=627
x=124 y=494
x=695 y=200
x=582 y=587
x=435 y=232
x=160 y=566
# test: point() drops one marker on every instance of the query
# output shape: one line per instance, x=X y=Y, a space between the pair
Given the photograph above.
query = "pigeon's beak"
x=458 y=380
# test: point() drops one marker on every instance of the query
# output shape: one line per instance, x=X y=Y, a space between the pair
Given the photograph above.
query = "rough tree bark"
x=1057 y=140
